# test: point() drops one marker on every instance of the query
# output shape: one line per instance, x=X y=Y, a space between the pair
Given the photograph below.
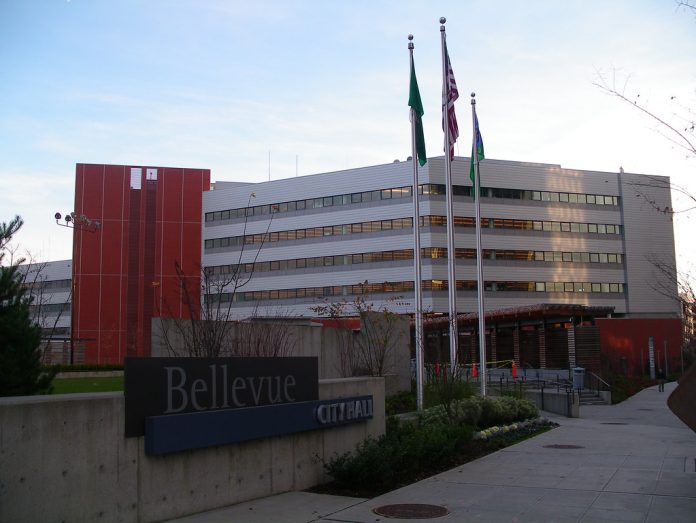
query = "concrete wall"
x=64 y=458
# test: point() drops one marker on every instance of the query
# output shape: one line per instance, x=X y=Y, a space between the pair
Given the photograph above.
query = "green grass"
x=73 y=385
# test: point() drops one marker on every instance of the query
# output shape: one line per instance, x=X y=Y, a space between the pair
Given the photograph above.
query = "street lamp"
x=81 y=222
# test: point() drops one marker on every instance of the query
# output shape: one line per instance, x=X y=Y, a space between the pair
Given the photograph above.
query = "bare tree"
x=210 y=328
x=678 y=126
x=372 y=351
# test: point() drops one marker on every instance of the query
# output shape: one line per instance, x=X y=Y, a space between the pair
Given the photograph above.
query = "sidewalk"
x=636 y=462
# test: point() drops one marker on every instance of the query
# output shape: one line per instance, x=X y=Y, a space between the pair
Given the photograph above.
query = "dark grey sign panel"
x=176 y=386
x=178 y=432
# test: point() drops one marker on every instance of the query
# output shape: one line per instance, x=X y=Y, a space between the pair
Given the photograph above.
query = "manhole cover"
x=557 y=446
x=613 y=423
x=411 y=511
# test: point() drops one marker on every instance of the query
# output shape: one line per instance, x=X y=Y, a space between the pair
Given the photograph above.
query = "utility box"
x=578 y=378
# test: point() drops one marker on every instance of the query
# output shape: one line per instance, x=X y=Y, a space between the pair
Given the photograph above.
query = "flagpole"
x=451 y=249
x=417 y=279
x=480 y=283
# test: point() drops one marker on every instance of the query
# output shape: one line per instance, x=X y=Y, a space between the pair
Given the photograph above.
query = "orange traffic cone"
x=474 y=371
x=514 y=369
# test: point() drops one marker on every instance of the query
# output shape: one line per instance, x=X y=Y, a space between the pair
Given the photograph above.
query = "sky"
x=319 y=86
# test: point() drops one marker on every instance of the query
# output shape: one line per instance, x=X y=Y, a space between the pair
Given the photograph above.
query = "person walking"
x=660 y=380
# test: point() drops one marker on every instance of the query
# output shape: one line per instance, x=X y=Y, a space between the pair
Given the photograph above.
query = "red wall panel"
x=624 y=343
x=125 y=272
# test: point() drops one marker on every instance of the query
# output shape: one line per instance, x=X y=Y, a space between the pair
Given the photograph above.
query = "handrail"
x=599 y=384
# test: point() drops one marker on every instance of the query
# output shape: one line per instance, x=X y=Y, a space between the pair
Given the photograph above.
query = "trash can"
x=578 y=378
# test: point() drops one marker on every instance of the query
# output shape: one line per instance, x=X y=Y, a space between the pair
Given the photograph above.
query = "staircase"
x=591 y=397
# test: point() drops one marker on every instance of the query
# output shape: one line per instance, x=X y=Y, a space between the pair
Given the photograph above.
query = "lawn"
x=73 y=385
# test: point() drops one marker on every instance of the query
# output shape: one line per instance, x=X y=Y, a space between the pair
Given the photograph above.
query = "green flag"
x=414 y=101
x=476 y=154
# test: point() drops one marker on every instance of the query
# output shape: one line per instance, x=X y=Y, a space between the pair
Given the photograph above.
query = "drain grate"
x=559 y=446
x=650 y=410
x=411 y=511
x=613 y=423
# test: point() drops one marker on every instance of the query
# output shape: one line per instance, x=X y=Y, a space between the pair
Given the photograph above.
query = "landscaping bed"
x=438 y=439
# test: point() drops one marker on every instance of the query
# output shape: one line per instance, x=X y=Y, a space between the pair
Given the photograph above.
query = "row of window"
x=406 y=223
x=48 y=284
x=406 y=286
x=529 y=225
x=405 y=192
x=49 y=308
x=407 y=254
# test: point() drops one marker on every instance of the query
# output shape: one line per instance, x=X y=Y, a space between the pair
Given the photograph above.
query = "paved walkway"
x=637 y=462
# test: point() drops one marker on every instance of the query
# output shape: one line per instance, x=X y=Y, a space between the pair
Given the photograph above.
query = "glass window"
x=574 y=227
x=565 y=227
x=547 y=226
x=596 y=287
x=573 y=198
x=540 y=286
x=582 y=198
x=539 y=255
x=611 y=258
x=548 y=256
x=553 y=197
x=301 y=205
x=536 y=195
x=327 y=201
x=567 y=256
x=568 y=287
x=338 y=200
x=585 y=257
x=576 y=257
x=564 y=197
x=594 y=257
x=386 y=194
x=610 y=229
x=592 y=227
x=545 y=196
x=591 y=199
x=583 y=227
x=608 y=200
x=376 y=196
x=613 y=287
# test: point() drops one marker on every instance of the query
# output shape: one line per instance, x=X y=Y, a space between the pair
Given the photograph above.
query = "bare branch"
x=683 y=138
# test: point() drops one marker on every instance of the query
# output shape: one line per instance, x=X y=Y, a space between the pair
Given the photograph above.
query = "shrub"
x=403 y=454
x=399 y=403
x=481 y=412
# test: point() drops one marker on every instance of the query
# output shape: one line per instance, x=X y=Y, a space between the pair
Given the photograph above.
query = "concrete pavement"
x=630 y=462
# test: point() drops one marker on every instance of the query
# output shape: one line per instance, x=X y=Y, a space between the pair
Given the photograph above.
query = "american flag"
x=449 y=95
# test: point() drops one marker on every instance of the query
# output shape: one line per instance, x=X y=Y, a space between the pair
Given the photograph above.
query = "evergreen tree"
x=20 y=339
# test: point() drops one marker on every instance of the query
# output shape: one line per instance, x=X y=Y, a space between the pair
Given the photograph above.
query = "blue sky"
x=218 y=84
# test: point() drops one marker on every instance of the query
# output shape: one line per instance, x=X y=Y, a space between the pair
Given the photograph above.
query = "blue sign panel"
x=194 y=430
